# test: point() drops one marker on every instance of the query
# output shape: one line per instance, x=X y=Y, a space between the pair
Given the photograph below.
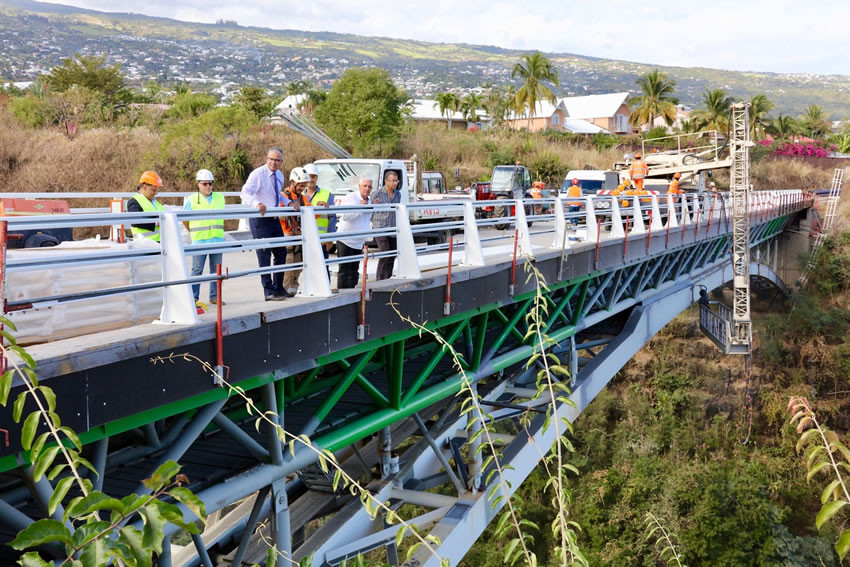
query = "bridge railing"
x=569 y=221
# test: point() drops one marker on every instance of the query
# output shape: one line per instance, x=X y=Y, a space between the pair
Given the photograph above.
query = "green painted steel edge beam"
x=96 y=433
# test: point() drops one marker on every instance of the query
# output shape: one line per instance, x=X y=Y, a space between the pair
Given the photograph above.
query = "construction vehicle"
x=36 y=238
x=509 y=182
x=341 y=176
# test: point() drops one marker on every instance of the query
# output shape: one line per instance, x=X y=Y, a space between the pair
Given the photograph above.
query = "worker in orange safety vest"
x=575 y=206
x=673 y=188
x=638 y=171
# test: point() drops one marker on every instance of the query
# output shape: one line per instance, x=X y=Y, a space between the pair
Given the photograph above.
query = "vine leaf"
x=828 y=511
x=40 y=532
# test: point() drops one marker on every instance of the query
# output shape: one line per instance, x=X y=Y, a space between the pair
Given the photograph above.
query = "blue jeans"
x=574 y=209
x=198 y=269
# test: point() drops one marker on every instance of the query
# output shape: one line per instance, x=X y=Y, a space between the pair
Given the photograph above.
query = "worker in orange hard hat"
x=673 y=188
x=638 y=171
x=575 y=206
x=144 y=201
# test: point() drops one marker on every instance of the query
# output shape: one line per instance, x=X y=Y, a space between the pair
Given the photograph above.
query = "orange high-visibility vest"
x=638 y=170
x=673 y=189
x=574 y=191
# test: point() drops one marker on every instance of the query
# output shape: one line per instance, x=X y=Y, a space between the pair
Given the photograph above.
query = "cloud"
x=782 y=36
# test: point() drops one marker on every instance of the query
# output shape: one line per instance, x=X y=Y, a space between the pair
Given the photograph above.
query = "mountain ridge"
x=37 y=35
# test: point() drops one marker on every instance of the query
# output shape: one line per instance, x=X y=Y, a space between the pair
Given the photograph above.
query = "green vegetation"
x=534 y=70
x=364 y=112
x=656 y=99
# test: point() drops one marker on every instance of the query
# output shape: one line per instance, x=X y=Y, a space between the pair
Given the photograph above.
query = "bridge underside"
x=602 y=306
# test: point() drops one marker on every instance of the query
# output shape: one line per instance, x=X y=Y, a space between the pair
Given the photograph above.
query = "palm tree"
x=534 y=69
x=469 y=106
x=656 y=99
x=296 y=88
x=715 y=114
x=783 y=126
x=759 y=107
x=814 y=121
x=449 y=102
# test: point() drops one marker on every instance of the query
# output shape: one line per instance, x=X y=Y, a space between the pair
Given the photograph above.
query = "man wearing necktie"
x=262 y=191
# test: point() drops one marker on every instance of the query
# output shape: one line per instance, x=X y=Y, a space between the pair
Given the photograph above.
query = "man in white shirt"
x=262 y=190
x=349 y=272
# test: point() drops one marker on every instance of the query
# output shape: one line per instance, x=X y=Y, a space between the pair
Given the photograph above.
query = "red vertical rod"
x=449 y=277
x=219 y=329
x=363 y=289
x=513 y=265
x=598 y=234
x=649 y=234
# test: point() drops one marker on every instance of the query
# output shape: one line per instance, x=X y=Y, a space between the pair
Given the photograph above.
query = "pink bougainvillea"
x=806 y=149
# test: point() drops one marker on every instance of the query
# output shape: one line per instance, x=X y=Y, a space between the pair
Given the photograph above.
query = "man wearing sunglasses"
x=207 y=230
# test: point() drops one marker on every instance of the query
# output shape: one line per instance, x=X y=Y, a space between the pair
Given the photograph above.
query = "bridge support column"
x=281 y=526
x=473 y=426
x=385 y=449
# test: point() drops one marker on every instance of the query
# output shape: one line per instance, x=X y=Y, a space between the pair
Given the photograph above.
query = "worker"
x=673 y=188
x=575 y=206
x=712 y=187
x=315 y=196
x=638 y=171
x=205 y=231
x=537 y=193
x=291 y=225
x=145 y=201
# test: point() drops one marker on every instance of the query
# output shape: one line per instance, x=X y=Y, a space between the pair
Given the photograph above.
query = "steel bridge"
x=350 y=371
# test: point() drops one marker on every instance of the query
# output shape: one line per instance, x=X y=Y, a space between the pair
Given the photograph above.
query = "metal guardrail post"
x=314 y=281
x=686 y=217
x=672 y=222
x=522 y=228
x=616 y=219
x=637 y=217
x=178 y=305
x=407 y=266
x=473 y=254
x=655 y=218
x=592 y=226
x=560 y=239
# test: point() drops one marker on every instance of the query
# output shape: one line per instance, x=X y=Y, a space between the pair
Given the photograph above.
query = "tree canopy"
x=91 y=72
x=364 y=112
x=714 y=113
x=535 y=70
x=656 y=99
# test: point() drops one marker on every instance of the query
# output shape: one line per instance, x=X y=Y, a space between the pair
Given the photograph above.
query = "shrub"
x=602 y=141
x=189 y=105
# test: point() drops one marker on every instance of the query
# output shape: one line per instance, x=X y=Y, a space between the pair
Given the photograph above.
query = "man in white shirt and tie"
x=262 y=190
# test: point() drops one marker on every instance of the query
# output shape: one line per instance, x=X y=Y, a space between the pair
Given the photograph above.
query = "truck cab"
x=510 y=182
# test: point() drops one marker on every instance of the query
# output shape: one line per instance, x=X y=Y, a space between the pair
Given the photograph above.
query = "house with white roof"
x=426 y=110
x=549 y=116
x=609 y=111
x=290 y=105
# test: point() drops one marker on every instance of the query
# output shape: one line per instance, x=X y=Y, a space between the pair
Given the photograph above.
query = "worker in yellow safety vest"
x=673 y=188
x=638 y=171
x=315 y=196
x=205 y=231
x=575 y=206
x=144 y=201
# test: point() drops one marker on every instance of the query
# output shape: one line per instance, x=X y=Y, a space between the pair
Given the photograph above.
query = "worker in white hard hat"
x=318 y=197
x=206 y=230
x=298 y=180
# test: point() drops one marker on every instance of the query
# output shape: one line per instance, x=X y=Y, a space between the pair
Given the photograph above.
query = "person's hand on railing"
x=262 y=208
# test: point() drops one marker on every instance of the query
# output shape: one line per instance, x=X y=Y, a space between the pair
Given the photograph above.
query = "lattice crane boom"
x=739 y=148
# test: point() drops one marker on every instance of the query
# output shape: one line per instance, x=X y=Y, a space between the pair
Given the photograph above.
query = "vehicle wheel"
x=441 y=237
x=41 y=240
x=500 y=212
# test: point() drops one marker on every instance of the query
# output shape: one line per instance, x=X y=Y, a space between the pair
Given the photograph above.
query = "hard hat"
x=575 y=180
x=151 y=178
x=311 y=169
x=298 y=175
x=677 y=175
x=627 y=181
x=204 y=175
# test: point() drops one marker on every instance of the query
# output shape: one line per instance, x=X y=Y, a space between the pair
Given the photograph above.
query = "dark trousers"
x=349 y=272
x=269 y=228
x=385 y=265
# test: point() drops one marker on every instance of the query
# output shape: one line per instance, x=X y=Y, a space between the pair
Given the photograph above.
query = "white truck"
x=341 y=176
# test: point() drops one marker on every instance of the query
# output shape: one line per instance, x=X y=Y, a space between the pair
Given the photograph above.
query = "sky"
x=781 y=36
